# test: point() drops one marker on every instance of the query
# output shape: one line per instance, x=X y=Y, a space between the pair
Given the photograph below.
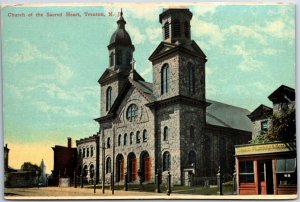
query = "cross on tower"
x=132 y=64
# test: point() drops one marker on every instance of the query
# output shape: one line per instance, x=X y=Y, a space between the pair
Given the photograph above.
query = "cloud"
x=210 y=32
x=29 y=53
x=153 y=34
x=136 y=34
x=146 y=71
x=15 y=90
x=271 y=51
x=244 y=31
x=46 y=108
x=208 y=9
x=248 y=62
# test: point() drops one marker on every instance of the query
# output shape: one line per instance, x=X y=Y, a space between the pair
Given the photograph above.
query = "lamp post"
x=103 y=162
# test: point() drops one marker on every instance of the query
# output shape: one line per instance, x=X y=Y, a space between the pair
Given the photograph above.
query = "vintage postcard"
x=149 y=101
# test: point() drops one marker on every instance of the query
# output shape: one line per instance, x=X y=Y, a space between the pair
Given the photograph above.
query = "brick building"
x=65 y=161
x=167 y=125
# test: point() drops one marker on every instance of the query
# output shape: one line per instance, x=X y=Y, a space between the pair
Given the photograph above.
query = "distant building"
x=6 y=155
x=88 y=158
x=268 y=168
x=65 y=161
x=43 y=175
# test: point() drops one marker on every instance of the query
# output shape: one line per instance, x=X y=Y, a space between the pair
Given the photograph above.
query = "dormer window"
x=264 y=126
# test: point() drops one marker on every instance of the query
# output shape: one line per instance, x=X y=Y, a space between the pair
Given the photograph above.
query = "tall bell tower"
x=178 y=62
x=120 y=51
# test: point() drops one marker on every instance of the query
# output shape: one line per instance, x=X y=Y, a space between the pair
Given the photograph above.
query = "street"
x=78 y=193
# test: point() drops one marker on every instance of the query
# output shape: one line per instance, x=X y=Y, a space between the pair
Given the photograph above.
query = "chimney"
x=69 y=142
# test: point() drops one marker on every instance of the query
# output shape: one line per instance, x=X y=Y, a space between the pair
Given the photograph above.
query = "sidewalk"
x=79 y=193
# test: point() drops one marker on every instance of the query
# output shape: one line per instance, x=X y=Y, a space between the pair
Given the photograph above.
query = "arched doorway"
x=145 y=166
x=92 y=171
x=85 y=171
x=192 y=159
x=119 y=168
x=131 y=167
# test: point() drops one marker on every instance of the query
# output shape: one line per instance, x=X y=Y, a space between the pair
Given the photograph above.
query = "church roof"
x=221 y=114
x=120 y=36
x=145 y=88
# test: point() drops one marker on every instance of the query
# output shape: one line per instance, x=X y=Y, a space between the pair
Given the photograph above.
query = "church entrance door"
x=119 y=168
x=145 y=166
x=131 y=164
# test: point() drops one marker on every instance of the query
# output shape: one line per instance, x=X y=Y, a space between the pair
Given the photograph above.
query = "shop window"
x=246 y=172
x=286 y=171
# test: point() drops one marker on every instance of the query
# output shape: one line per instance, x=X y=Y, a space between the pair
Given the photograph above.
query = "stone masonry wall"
x=145 y=121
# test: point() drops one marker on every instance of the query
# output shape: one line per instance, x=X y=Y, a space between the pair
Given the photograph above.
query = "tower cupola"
x=120 y=47
x=176 y=25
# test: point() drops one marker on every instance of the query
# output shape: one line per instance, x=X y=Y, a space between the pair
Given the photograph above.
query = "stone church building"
x=167 y=125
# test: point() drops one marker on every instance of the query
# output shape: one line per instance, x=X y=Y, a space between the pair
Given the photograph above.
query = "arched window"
x=131 y=138
x=128 y=58
x=125 y=139
x=92 y=151
x=166 y=133
x=83 y=153
x=119 y=140
x=108 y=98
x=138 y=137
x=145 y=136
x=132 y=113
x=166 y=161
x=80 y=153
x=119 y=57
x=176 y=28
x=167 y=30
x=191 y=78
x=192 y=158
x=87 y=152
x=108 y=165
x=108 y=142
x=111 y=59
x=192 y=132
x=165 y=79
x=187 y=29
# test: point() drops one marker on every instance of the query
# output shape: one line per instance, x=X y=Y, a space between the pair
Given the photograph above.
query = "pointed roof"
x=120 y=36
x=261 y=112
x=282 y=94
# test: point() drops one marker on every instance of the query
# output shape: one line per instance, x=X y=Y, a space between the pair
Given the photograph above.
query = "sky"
x=51 y=65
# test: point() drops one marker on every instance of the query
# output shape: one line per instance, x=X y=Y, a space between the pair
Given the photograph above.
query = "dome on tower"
x=121 y=36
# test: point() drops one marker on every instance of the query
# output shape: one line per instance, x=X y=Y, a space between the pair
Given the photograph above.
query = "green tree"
x=28 y=166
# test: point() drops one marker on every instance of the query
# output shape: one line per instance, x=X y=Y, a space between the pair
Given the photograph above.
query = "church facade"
x=168 y=125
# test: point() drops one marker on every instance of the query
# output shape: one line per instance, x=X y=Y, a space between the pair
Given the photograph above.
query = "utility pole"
x=103 y=162
x=113 y=162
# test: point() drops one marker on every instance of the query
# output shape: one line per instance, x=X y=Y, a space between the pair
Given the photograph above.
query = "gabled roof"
x=107 y=72
x=165 y=48
x=225 y=115
x=261 y=112
x=145 y=88
x=282 y=94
